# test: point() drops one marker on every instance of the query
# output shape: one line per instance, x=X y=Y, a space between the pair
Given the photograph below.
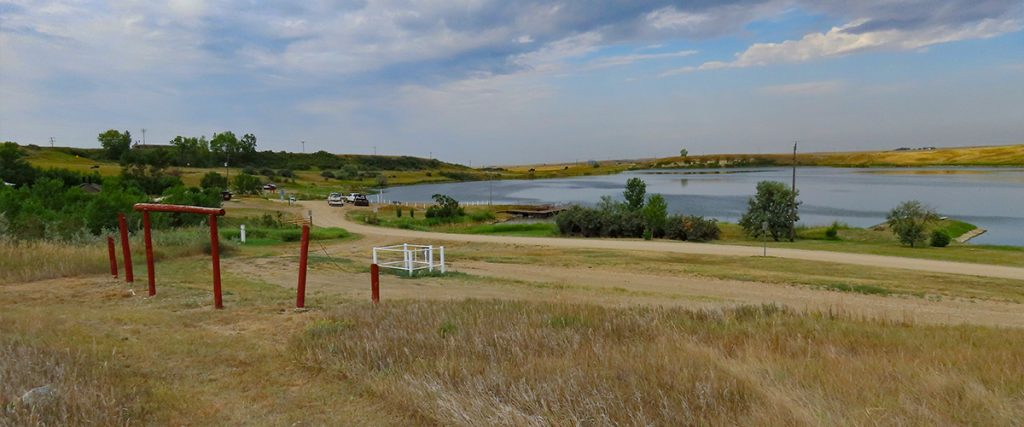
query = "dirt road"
x=326 y=216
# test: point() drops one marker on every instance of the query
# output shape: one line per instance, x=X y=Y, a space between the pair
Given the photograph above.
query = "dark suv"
x=361 y=200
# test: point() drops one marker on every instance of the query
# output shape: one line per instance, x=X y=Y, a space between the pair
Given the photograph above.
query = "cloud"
x=612 y=61
x=807 y=88
x=866 y=34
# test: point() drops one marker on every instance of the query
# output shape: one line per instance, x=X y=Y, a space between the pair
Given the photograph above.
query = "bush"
x=692 y=228
x=940 y=239
x=832 y=232
x=774 y=203
x=398 y=212
x=326 y=174
x=287 y=173
x=445 y=207
x=214 y=180
x=247 y=184
x=909 y=220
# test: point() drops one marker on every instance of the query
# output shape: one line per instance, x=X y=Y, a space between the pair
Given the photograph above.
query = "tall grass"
x=84 y=391
x=485 y=363
x=23 y=261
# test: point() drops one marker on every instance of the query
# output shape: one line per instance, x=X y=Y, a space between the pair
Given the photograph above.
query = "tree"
x=636 y=190
x=191 y=151
x=444 y=207
x=247 y=184
x=13 y=168
x=115 y=144
x=382 y=180
x=214 y=180
x=776 y=204
x=655 y=214
x=909 y=222
x=683 y=153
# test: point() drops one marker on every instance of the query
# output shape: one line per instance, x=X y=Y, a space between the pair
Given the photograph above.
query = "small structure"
x=409 y=258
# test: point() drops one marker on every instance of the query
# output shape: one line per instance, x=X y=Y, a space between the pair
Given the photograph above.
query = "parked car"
x=335 y=199
x=351 y=197
x=361 y=200
x=269 y=186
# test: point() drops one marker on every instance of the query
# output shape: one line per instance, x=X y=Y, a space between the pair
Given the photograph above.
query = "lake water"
x=992 y=198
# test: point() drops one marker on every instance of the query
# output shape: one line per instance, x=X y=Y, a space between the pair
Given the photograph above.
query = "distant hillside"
x=1005 y=155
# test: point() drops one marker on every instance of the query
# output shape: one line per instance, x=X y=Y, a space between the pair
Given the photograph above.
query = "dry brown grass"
x=27 y=261
x=85 y=391
x=481 y=363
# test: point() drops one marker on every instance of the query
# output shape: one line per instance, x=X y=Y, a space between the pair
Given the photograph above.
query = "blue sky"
x=497 y=82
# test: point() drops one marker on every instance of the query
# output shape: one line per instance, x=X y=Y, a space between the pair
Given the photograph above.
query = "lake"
x=991 y=198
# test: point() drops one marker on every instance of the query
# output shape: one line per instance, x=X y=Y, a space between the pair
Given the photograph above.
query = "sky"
x=486 y=82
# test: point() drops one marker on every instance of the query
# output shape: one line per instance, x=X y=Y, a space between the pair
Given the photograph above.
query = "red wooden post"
x=375 y=283
x=113 y=256
x=300 y=294
x=125 y=248
x=148 y=237
x=215 y=254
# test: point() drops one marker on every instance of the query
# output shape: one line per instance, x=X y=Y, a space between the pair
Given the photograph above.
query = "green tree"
x=13 y=167
x=444 y=207
x=683 y=153
x=655 y=214
x=191 y=151
x=774 y=203
x=214 y=180
x=636 y=191
x=909 y=222
x=115 y=144
x=226 y=147
x=247 y=184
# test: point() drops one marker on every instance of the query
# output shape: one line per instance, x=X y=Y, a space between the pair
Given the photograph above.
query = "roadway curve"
x=324 y=215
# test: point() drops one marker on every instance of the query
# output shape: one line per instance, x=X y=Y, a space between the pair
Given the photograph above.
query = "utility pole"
x=792 y=203
x=51 y=142
x=303 y=147
x=143 y=137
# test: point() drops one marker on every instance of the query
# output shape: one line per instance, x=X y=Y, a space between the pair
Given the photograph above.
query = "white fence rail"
x=410 y=258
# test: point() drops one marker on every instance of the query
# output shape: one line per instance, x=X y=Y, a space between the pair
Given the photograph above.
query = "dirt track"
x=617 y=286
x=325 y=215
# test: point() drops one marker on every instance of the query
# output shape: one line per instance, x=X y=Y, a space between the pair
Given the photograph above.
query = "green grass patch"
x=539 y=229
x=272 y=236
x=954 y=228
x=860 y=289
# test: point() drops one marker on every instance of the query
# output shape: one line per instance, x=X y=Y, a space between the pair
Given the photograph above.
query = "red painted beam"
x=148 y=236
x=375 y=283
x=300 y=294
x=125 y=248
x=159 y=207
x=215 y=254
x=112 y=255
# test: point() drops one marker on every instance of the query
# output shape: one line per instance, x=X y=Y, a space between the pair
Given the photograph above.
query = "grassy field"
x=478 y=220
x=530 y=354
x=118 y=359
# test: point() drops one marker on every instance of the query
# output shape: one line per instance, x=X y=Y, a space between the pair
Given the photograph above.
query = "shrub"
x=692 y=228
x=287 y=173
x=214 y=180
x=398 y=212
x=909 y=221
x=326 y=174
x=940 y=239
x=832 y=232
x=445 y=207
x=412 y=213
x=774 y=203
x=247 y=184
x=250 y=171
x=267 y=172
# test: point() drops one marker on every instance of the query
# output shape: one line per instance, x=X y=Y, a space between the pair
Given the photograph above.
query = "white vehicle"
x=351 y=198
x=335 y=199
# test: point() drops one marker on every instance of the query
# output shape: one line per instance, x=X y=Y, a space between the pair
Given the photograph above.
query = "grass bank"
x=479 y=362
x=478 y=220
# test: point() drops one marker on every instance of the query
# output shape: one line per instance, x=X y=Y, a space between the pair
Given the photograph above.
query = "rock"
x=39 y=395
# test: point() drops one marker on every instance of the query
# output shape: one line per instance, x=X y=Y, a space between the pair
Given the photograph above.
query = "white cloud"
x=613 y=61
x=806 y=88
x=844 y=40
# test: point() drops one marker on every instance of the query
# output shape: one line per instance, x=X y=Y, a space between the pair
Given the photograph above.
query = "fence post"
x=125 y=248
x=148 y=236
x=218 y=302
x=300 y=293
x=430 y=258
x=241 y=234
x=442 y=259
x=113 y=256
x=375 y=283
